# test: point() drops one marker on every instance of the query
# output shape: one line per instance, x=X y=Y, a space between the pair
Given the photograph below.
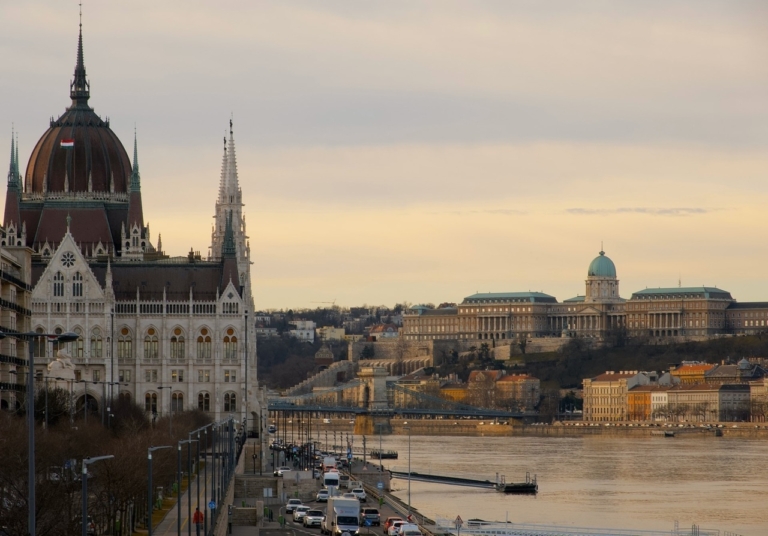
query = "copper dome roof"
x=98 y=161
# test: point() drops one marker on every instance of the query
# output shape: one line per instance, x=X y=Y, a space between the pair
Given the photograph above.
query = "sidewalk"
x=167 y=527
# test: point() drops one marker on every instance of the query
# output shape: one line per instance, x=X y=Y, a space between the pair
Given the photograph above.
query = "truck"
x=329 y=462
x=342 y=517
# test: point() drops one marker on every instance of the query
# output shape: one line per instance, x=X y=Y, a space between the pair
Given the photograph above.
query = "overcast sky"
x=423 y=151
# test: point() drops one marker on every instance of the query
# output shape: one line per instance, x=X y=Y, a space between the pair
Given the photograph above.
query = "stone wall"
x=324 y=378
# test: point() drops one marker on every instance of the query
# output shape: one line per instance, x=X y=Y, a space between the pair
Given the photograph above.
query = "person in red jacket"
x=198 y=519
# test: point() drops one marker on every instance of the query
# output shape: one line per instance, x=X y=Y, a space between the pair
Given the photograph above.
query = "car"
x=90 y=526
x=300 y=511
x=272 y=429
x=313 y=518
x=322 y=496
x=388 y=522
x=371 y=515
x=292 y=503
x=393 y=529
x=409 y=529
x=282 y=470
x=349 y=496
x=360 y=494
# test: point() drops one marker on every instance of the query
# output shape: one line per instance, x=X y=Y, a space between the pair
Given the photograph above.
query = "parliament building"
x=169 y=332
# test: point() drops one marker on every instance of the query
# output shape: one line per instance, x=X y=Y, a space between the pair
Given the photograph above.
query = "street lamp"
x=29 y=337
x=178 y=479
x=150 y=450
x=84 y=478
x=409 y=466
x=170 y=413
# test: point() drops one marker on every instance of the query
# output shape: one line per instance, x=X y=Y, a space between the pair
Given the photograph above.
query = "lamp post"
x=84 y=478
x=409 y=466
x=170 y=412
x=178 y=479
x=150 y=450
x=29 y=337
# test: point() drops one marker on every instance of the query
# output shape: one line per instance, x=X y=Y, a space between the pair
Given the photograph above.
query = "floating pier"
x=529 y=486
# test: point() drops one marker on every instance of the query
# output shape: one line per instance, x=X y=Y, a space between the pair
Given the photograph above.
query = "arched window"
x=125 y=396
x=77 y=285
x=58 y=284
x=78 y=345
x=230 y=345
x=177 y=402
x=125 y=344
x=96 y=343
x=150 y=402
x=150 y=344
x=230 y=403
x=204 y=402
x=204 y=345
x=39 y=344
x=177 y=344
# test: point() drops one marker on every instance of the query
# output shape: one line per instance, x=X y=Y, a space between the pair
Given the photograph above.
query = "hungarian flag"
x=67 y=143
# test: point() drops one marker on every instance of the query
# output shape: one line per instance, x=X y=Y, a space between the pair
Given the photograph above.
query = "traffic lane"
x=385 y=511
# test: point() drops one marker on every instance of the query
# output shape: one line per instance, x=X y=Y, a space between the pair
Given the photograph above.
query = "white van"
x=409 y=529
x=331 y=482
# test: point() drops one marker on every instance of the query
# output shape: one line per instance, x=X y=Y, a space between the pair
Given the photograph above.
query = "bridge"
x=374 y=400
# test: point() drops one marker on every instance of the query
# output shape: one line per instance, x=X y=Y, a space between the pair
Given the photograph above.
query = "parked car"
x=299 y=512
x=313 y=518
x=322 y=496
x=360 y=494
x=388 y=522
x=282 y=470
x=292 y=504
x=371 y=515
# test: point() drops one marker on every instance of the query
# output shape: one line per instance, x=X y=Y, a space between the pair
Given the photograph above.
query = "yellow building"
x=691 y=373
x=605 y=396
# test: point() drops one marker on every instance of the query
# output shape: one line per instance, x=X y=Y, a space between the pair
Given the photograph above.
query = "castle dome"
x=97 y=160
x=601 y=266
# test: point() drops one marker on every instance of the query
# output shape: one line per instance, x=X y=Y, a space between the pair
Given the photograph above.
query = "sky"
x=394 y=151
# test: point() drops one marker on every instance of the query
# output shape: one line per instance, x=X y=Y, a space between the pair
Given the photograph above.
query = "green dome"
x=602 y=266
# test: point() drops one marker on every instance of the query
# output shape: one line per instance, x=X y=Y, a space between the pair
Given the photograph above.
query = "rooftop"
x=495 y=297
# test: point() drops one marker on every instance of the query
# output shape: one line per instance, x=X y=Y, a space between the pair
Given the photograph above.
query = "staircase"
x=324 y=378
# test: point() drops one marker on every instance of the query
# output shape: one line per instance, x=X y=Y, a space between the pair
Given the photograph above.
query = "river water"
x=610 y=482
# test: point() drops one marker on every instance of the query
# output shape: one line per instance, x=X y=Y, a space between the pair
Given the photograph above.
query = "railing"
x=4 y=273
x=60 y=196
x=18 y=308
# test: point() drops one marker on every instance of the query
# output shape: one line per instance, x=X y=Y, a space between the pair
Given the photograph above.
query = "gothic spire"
x=223 y=178
x=135 y=175
x=228 y=248
x=231 y=183
x=79 y=89
x=13 y=168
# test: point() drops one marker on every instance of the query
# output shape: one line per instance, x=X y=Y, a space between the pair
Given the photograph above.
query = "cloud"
x=673 y=211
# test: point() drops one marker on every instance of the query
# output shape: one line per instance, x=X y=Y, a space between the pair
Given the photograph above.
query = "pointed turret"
x=135 y=210
x=13 y=197
x=229 y=256
x=79 y=89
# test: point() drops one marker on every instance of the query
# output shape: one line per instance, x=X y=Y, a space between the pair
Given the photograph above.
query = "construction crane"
x=333 y=303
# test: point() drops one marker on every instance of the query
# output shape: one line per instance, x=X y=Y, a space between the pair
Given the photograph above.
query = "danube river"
x=611 y=482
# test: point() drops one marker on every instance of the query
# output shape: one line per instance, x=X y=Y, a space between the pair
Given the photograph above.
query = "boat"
x=663 y=433
x=529 y=486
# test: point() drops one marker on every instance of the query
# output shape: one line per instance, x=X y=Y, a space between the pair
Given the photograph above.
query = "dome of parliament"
x=97 y=160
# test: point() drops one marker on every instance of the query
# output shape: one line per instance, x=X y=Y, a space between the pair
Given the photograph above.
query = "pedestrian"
x=197 y=519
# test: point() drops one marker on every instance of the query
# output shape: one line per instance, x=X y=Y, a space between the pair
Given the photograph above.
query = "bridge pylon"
x=372 y=424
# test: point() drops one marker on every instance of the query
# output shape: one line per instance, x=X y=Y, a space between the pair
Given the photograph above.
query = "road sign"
x=380 y=485
x=368 y=522
x=212 y=505
x=458 y=522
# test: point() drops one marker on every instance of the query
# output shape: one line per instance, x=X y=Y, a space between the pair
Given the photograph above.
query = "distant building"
x=266 y=333
x=383 y=332
x=605 y=396
x=601 y=313
x=304 y=330
x=691 y=372
x=330 y=333
x=741 y=373
x=324 y=357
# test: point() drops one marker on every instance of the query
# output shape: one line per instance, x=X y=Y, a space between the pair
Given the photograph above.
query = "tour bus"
x=331 y=482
